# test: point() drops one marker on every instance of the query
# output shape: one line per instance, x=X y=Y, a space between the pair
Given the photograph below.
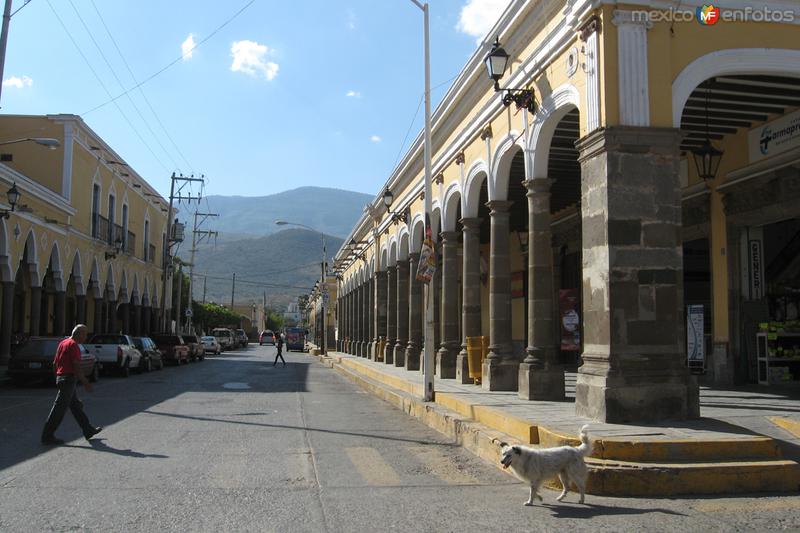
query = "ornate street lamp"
x=496 y=62
x=13 y=197
x=117 y=249
x=388 y=199
x=707 y=157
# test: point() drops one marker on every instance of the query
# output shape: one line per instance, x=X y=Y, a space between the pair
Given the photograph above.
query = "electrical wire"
x=141 y=91
x=173 y=62
x=100 y=81
x=119 y=81
x=258 y=283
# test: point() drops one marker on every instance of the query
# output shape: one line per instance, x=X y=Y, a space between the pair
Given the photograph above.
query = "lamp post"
x=12 y=195
x=428 y=366
x=48 y=142
x=323 y=280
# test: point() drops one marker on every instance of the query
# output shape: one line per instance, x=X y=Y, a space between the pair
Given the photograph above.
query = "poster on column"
x=694 y=338
x=569 y=313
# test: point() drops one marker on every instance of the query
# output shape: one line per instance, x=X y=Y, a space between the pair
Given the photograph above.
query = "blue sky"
x=287 y=94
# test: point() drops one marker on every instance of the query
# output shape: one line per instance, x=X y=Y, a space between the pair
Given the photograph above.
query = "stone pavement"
x=741 y=433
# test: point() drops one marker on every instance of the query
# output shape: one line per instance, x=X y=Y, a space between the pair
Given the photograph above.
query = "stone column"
x=391 y=314
x=146 y=320
x=436 y=288
x=339 y=323
x=80 y=309
x=111 y=317
x=634 y=359
x=402 y=314
x=137 y=320
x=98 y=326
x=356 y=321
x=448 y=350
x=500 y=367
x=381 y=309
x=59 y=306
x=540 y=375
x=347 y=332
x=364 y=319
x=371 y=318
x=471 y=293
x=44 y=314
x=353 y=321
x=36 y=311
x=412 y=355
x=6 y=320
x=126 y=318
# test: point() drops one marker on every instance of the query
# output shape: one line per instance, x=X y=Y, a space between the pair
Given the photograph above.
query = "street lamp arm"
x=44 y=141
x=419 y=5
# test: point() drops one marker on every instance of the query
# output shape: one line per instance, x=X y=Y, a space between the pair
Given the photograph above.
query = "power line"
x=141 y=91
x=173 y=62
x=119 y=81
x=258 y=283
x=103 y=85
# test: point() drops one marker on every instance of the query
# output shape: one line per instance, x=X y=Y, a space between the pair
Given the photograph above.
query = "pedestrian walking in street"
x=279 y=345
x=67 y=366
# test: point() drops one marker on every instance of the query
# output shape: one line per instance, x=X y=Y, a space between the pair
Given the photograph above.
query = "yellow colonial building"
x=635 y=216
x=84 y=243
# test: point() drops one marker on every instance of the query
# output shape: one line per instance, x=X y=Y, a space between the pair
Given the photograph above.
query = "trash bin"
x=475 y=356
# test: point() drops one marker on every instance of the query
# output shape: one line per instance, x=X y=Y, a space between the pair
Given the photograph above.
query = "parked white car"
x=225 y=338
x=210 y=344
x=116 y=352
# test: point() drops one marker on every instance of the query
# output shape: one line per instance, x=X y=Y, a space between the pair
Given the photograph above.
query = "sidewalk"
x=743 y=443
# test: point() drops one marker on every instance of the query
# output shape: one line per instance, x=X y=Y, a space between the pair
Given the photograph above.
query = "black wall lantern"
x=707 y=157
x=388 y=199
x=496 y=62
x=13 y=197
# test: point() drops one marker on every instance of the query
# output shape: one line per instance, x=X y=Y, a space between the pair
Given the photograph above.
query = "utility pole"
x=195 y=242
x=4 y=39
x=264 y=306
x=178 y=316
x=233 y=289
x=204 y=289
x=173 y=237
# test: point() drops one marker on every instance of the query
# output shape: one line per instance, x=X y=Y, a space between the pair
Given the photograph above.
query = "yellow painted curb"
x=789 y=424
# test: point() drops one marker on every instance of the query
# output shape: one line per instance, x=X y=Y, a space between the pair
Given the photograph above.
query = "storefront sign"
x=772 y=138
x=695 y=348
x=569 y=312
x=756 y=270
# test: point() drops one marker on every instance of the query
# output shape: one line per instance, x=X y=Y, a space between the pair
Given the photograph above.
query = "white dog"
x=534 y=466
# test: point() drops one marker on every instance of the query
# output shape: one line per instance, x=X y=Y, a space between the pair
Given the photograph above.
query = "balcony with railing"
x=104 y=230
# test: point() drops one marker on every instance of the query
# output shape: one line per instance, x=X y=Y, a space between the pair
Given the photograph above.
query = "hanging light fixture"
x=707 y=157
x=496 y=62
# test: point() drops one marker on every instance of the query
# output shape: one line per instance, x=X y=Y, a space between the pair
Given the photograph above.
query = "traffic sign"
x=189 y=312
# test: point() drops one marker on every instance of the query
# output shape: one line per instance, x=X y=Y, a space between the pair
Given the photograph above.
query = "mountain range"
x=333 y=211
x=282 y=262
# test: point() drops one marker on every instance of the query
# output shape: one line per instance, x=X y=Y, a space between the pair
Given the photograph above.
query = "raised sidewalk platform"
x=747 y=441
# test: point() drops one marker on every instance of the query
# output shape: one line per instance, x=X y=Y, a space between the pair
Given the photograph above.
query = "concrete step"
x=617 y=467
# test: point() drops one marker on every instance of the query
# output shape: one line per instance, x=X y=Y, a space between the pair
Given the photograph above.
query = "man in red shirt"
x=67 y=365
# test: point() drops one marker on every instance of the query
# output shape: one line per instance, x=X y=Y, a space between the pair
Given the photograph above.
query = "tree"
x=274 y=320
x=209 y=316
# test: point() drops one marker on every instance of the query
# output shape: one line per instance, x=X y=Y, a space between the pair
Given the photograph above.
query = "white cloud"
x=18 y=82
x=187 y=47
x=478 y=16
x=351 y=19
x=375 y=139
x=250 y=57
x=353 y=94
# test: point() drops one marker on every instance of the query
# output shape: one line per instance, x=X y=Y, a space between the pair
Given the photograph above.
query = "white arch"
x=94 y=278
x=110 y=285
x=403 y=245
x=501 y=164
x=776 y=61
x=452 y=202
x=436 y=219
x=6 y=273
x=146 y=293
x=77 y=274
x=417 y=233
x=54 y=264
x=135 y=290
x=392 y=251
x=477 y=174
x=553 y=108
x=372 y=267
x=384 y=256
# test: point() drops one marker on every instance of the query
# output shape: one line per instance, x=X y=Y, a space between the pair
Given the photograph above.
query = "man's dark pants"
x=67 y=398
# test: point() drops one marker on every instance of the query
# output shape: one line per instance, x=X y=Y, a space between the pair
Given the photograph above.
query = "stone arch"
x=384 y=256
x=477 y=175
x=775 y=61
x=452 y=206
x=146 y=293
x=110 y=283
x=135 y=298
x=507 y=148
x=30 y=256
x=372 y=268
x=94 y=278
x=553 y=108
x=124 y=294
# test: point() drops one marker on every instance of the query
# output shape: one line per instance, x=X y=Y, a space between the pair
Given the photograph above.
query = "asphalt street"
x=235 y=444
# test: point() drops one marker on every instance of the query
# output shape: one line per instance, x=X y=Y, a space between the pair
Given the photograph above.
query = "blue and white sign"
x=773 y=138
x=695 y=348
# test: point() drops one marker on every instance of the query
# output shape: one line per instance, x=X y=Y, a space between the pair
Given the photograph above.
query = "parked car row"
x=230 y=339
x=109 y=353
